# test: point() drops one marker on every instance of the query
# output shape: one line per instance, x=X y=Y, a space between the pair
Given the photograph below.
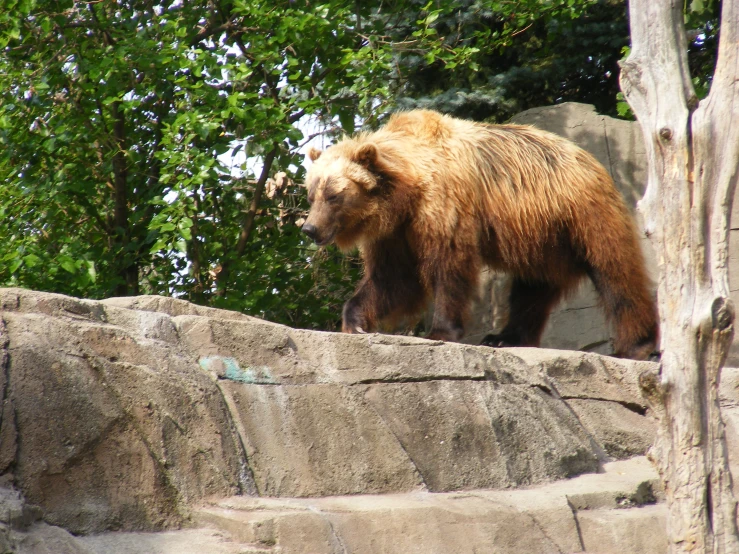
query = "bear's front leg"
x=375 y=302
x=390 y=289
x=359 y=314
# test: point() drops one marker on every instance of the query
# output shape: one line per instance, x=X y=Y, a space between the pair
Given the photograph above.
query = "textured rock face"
x=107 y=423
x=578 y=323
x=121 y=414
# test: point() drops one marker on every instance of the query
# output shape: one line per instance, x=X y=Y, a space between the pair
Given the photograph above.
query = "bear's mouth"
x=326 y=240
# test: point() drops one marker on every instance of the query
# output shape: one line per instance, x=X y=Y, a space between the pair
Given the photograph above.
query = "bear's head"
x=344 y=191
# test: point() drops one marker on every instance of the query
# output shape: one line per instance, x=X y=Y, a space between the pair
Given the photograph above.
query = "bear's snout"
x=310 y=230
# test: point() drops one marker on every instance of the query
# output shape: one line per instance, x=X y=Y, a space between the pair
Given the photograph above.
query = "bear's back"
x=423 y=125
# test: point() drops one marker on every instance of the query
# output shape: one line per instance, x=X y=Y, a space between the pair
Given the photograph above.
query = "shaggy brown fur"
x=429 y=200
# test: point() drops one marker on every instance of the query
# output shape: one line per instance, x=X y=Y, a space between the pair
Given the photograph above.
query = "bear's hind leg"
x=629 y=306
x=529 y=307
x=454 y=284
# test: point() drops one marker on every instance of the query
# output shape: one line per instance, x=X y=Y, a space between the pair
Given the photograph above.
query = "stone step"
x=41 y=538
x=611 y=512
x=186 y=541
x=635 y=530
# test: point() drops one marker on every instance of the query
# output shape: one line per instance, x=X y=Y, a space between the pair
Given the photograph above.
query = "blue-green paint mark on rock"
x=228 y=368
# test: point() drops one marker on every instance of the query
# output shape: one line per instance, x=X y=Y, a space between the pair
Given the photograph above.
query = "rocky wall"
x=120 y=414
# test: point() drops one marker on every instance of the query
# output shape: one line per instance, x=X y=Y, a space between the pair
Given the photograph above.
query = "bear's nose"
x=310 y=230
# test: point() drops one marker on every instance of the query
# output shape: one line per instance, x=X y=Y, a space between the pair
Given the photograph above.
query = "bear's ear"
x=366 y=155
x=314 y=154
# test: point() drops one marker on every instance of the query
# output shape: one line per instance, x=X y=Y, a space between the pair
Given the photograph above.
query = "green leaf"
x=67 y=264
x=31 y=260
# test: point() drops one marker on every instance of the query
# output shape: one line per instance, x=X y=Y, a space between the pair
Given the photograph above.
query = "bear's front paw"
x=354 y=318
x=353 y=330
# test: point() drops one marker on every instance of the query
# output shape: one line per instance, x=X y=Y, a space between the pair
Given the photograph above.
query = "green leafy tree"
x=114 y=120
x=518 y=55
x=495 y=59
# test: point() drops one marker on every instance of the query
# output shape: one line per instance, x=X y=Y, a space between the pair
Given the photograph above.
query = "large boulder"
x=121 y=414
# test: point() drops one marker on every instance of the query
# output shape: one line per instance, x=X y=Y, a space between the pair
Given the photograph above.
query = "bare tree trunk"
x=693 y=153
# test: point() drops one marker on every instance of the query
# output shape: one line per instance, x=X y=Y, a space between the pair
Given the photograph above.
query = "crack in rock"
x=421 y=478
x=418 y=379
x=334 y=534
x=577 y=523
x=639 y=409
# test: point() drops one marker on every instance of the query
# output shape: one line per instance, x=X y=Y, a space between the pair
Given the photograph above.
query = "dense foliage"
x=551 y=54
x=120 y=122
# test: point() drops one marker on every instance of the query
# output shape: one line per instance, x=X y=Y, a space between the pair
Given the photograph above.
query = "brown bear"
x=429 y=200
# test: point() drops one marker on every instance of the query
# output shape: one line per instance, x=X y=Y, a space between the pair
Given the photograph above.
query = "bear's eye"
x=331 y=197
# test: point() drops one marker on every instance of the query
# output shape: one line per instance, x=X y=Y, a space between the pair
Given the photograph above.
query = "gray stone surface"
x=112 y=426
x=22 y=532
x=641 y=529
x=608 y=512
x=121 y=414
x=186 y=541
x=577 y=323
x=618 y=429
x=540 y=520
x=481 y=435
x=42 y=538
x=319 y=439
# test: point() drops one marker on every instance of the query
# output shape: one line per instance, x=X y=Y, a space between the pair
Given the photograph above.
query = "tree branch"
x=248 y=222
